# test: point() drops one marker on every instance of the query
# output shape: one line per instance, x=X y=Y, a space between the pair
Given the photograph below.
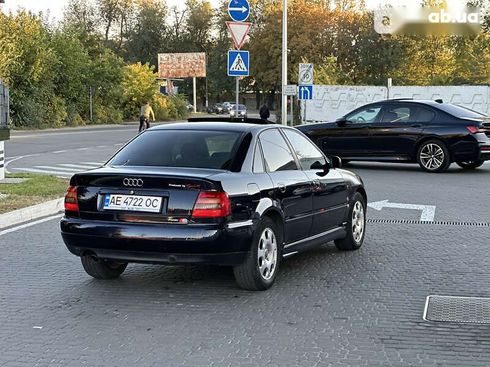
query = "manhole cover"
x=471 y=310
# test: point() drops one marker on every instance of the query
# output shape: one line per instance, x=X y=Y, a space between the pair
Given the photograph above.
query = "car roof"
x=215 y=125
x=410 y=100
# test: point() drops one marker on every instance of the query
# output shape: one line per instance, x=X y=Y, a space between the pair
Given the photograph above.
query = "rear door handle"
x=416 y=125
x=281 y=187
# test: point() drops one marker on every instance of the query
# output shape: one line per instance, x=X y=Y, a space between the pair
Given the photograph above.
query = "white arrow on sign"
x=239 y=32
x=428 y=211
x=305 y=93
x=242 y=9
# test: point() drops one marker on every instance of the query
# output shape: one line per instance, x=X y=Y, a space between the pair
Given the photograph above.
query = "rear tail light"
x=71 y=200
x=473 y=129
x=212 y=204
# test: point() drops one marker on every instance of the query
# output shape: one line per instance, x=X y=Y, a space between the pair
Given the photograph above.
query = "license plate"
x=152 y=204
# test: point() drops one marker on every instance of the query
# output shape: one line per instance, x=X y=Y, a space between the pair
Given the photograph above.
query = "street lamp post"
x=284 y=98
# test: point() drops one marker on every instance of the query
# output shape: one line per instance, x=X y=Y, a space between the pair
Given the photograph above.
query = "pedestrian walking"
x=145 y=114
x=264 y=112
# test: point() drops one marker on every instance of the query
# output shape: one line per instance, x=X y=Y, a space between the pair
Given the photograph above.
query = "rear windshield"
x=180 y=148
x=460 y=112
x=240 y=107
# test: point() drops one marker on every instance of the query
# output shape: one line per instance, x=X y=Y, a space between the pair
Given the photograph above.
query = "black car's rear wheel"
x=356 y=225
x=259 y=270
x=470 y=164
x=433 y=156
x=102 y=269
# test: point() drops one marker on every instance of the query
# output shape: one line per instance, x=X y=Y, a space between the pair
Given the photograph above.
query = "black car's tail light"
x=473 y=129
x=212 y=204
x=71 y=200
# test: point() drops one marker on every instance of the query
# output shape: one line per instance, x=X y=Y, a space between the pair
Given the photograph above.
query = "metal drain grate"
x=437 y=223
x=468 y=310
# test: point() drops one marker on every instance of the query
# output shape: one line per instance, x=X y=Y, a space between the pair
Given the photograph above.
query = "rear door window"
x=277 y=155
x=258 y=160
x=397 y=113
x=424 y=115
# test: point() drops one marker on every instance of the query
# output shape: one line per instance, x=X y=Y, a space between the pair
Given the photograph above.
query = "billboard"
x=182 y=65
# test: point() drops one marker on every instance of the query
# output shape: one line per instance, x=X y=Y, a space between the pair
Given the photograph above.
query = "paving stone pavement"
x=327 y=308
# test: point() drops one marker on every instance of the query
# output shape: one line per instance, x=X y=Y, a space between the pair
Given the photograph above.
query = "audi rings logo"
x=133 y=182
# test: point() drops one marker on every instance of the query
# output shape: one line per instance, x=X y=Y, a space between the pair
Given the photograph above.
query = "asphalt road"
x=327 y=308
x=457 y=195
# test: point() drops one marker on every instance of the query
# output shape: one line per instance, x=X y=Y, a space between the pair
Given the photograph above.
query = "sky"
x=55 y=7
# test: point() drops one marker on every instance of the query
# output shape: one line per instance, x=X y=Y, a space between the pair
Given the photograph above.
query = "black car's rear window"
x=180 y=148
x=460 y=112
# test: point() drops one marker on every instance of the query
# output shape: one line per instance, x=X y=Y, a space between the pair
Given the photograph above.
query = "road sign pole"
x=207 y=100
x=194 y=92
x=292 y=101
x=91 y=106
x=237 y=95
x=284 y=106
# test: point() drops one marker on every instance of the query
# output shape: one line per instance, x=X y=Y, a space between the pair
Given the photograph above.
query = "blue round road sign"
x=239 y=10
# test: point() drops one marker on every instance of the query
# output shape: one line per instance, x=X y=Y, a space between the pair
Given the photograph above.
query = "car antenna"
x=439 y=100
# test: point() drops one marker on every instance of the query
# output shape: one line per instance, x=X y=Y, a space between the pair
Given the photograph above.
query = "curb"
x=31 y=213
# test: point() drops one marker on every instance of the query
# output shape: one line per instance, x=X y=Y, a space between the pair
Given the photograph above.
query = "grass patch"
x=34 y=190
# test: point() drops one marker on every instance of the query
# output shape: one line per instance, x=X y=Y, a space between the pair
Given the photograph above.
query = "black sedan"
x=432 y=133
x=239 y=194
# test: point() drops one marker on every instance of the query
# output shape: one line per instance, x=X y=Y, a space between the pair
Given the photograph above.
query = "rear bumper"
x=157 y=243
x=485 y=153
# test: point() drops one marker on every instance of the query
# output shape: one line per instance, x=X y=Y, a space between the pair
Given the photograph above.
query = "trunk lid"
x=176 y=189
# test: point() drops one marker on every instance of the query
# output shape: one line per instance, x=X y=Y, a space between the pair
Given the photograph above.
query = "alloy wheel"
x=267 y=254
x=432 y=156
x=358 y=222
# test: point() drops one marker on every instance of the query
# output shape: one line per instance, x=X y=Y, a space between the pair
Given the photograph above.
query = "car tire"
x=259 y=270
x=102 y=269
x=471 y=164
x=433 y=156
x=356 y=225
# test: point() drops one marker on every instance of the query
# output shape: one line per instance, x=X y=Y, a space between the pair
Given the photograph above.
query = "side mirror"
x=342 y=122
x=318 y=166
x=336 y=162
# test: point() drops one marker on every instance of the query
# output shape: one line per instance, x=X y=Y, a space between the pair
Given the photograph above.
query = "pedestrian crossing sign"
x=238 y=63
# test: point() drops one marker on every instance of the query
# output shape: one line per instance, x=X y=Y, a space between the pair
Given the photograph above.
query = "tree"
x=30 y=71
x=149 y=35
x=139 y=86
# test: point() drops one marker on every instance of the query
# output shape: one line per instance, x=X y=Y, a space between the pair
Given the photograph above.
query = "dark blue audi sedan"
x=239 y=194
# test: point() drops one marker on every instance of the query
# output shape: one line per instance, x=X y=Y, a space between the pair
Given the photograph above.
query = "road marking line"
x=34 y=170
x=428 y=211
x=59 y=151
x=98 y=164
x=30 y=224
x=81 y=166
x=12 y=137
x=62 y=169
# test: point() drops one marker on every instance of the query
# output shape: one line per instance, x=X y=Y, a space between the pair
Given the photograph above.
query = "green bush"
x=56 y=114
x=169 y=107
x=107 y=115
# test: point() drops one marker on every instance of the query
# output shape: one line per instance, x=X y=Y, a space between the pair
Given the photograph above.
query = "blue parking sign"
x=239 y=10
x=238 y=63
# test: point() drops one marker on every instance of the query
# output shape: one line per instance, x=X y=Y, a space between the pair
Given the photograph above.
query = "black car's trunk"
x=173 y=190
